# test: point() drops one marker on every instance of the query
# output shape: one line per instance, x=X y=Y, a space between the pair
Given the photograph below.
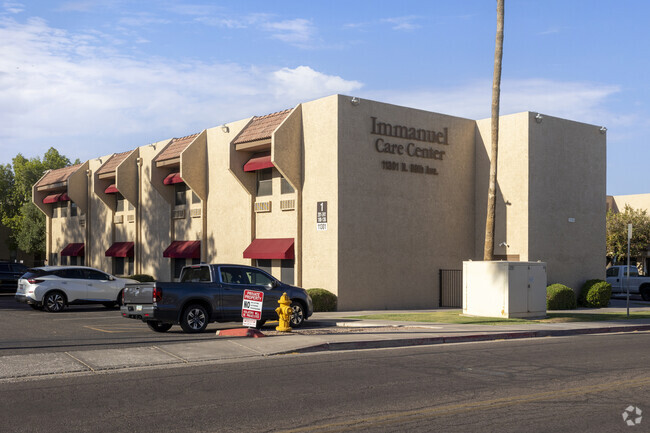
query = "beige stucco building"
x=365 y=199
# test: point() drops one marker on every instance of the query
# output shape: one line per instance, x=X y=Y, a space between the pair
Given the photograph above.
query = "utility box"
x=504 y=289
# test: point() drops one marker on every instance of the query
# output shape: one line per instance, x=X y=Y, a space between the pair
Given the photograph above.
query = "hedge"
x=560 y=297
x=598 y=295
x=323 y=300
x=143 y=278
x=582 y=297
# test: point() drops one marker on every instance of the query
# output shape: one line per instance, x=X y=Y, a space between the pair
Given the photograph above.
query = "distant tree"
x=488 y=251
x=24 y=219
x=617 y=233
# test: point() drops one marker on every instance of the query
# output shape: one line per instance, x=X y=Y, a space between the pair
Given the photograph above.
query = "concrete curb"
x=333 y=346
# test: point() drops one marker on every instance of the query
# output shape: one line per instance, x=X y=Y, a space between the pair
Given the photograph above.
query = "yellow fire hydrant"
x=284 y=314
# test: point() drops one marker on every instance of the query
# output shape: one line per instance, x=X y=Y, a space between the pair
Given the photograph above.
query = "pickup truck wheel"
x=195 y=319
x=645 y=294
x=159 y=326
x=298 y=316
x=54 y=301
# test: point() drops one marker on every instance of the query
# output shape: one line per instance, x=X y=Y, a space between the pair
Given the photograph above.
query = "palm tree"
x=488 y=252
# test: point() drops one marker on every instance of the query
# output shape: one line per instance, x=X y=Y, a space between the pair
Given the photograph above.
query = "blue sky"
x=96 y=77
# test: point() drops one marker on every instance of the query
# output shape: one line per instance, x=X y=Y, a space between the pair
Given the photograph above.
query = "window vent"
x=288 y=204
x=263 y=206
x=118 y=219
x=178 y=214
x=195 y=213
x=130 y=218
x=82 y=220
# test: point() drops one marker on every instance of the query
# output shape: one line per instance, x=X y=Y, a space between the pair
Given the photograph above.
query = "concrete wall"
x=566 y=227
x=398 y=228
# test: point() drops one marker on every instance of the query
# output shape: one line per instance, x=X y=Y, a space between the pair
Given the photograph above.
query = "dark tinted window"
x=287 y=274
x=17 y=267
x=234 y=276
x=264 y=264
x=4 y=267
x=259 y=278
x=196 y=275
x=612 y=272
x=70 y=274
x=95 y=275
x=35 y=273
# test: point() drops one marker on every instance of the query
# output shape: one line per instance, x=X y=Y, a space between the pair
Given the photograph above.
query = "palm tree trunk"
x=488 y=252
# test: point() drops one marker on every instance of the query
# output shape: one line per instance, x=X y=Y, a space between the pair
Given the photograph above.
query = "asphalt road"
x=576 y=384
x=24 y=330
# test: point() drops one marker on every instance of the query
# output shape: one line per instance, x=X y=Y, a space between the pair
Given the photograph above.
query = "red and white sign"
x=251 y=307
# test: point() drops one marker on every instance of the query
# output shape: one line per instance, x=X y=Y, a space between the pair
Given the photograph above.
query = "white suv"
x=53 y=287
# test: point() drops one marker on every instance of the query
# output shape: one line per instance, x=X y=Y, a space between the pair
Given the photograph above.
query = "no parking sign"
x=251 y=307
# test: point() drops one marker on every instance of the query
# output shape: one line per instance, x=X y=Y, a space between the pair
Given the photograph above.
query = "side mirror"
x=272 y=285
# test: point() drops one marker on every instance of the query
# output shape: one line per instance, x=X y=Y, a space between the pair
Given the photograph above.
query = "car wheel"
x=54 y=302
x=159 y=326
x=195 y=319
x=109 y=305
x=298 y=316
x=119 y=298
x=645 y=294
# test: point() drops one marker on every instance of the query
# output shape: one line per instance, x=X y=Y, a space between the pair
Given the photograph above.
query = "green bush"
x=598 y=295
x=560 y=297
x=582 y=297
x=143 y=278
x=323 y=300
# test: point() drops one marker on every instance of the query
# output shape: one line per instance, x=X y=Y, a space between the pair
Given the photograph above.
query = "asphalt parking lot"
x=24 y=330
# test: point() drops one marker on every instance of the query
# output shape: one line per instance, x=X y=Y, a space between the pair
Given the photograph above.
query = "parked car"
x=638 y=285
x=210 y=293
x=9 y=274
x=52 y=288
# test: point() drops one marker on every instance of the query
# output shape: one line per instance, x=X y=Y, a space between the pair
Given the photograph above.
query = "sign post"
x=627 y=278
x=251 y=308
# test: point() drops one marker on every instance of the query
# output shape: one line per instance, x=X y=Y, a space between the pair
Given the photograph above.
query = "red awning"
x=52 y=198
x=112 y=189
x=183 y=250
x=173 y=178
x=120 y=249
x=270 y=249
x=258 y=163
x=73 y=250
x=64 y=197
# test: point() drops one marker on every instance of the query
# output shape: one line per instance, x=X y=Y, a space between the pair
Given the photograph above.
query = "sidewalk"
x=323 y=332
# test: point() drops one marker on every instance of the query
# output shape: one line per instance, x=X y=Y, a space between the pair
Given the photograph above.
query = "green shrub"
x=143 y=278
x=598 y=295
x=323 y=300
x=582 y=297
x=560 y=297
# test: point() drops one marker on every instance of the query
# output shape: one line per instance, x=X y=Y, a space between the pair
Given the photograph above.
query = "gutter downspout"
x=138 y=220
x=87 y=261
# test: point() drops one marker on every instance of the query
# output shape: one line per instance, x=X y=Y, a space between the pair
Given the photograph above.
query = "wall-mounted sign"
x=410 y=149
x=321 y=216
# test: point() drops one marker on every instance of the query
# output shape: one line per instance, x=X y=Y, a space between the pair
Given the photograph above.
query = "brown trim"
x=507 y=257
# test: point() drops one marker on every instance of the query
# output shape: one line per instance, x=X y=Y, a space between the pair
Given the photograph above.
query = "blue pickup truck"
x=210 y=293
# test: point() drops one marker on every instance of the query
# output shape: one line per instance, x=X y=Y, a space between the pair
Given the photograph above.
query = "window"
x=286 y=187
x=73 y=260
x=64 y=260
x=264 y=182
x=178 y=266
x=53 y=259
x=63 y=205
x=287 y=275
x=259 y=278
x=195 y=198
x=118 y=265
x=264 y=264
x=197 y=275
x=119 y=202
x=612 y=272
x=234 y=276
x=180 y=196
x=92 y=274
x=55 y=211
x=73 y=209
